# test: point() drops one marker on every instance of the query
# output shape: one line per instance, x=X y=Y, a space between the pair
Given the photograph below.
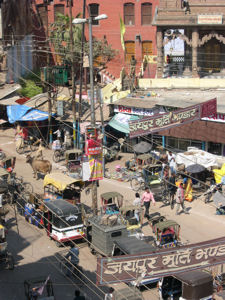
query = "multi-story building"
x=203 y=24
x=139 y=37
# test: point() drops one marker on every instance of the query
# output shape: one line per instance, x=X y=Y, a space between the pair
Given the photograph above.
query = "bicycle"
x=70 y=270
x=26 y=144
x=19 y=186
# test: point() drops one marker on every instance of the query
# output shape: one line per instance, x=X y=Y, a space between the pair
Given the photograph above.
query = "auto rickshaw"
x=8 y=163
x=154 y=219
x=4 y=175
x=74 y=161
x=189 y=285
x=128 y=293
x=166 y=234
x=63 y=221
x=6 y=258
x=61 y=186
x=111 y=202
x=39 y=288
x=128 y=214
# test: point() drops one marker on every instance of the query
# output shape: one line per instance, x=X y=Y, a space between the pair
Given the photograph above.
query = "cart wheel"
x=20 y=150
x=10 y=262
x=58 y=244
x=27 y=188
x=135 y=184
x=56 y=156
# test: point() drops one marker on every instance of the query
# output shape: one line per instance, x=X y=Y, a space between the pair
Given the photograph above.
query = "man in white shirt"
x=172 y=162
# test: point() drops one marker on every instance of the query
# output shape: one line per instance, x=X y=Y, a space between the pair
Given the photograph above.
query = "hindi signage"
x=139 y=111
x=210 y=19
x=162 y=263
x=149 y=125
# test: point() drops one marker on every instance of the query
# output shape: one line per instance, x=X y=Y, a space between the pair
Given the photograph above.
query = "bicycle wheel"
x=33 y=147
x=20 y=150
x=56 y=156
x=27 y=187
x=135 y=184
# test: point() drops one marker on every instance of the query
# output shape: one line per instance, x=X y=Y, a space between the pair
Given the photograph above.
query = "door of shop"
x=212 y=56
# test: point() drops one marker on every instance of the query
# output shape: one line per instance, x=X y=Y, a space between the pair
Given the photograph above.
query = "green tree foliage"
x=60 y=38
x=31 y=85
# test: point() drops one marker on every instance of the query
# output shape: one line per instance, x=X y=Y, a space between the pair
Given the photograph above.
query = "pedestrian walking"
x=172 y=188
x=180 y=199
x=172 y=162
x=137 y=202
x=78 y=296
x=109 y=295
x=147 y=197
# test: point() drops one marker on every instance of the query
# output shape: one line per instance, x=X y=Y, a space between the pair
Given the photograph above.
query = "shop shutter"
x=129 y=50
x=146 y=14
x=129 y=14
x=147 y=48
x=58 y=8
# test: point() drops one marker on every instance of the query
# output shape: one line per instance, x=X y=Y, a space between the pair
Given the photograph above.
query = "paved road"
x=35 y=253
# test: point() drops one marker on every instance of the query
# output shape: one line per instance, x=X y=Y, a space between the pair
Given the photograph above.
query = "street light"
x=89 y=21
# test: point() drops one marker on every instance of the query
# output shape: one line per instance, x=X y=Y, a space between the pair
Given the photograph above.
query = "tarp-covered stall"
x=25 y=113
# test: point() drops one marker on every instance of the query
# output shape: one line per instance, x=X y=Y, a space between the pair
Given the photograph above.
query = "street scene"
x=112 y=150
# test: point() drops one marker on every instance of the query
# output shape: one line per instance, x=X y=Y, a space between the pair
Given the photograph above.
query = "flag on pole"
x=122 y=32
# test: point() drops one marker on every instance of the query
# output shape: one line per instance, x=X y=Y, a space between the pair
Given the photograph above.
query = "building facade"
x=202 y=23
x=139 y=36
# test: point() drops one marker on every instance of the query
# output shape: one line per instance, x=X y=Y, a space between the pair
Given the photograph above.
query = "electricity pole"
x=73 y=75
x=81 y=65
x=48 y=78
x=94 y=183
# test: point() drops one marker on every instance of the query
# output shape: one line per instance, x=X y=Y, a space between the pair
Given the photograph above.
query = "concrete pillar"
x=195 y=37
x=159 y=42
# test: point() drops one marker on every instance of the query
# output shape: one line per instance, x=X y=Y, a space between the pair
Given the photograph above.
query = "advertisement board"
x=149 y=125
x=160 y=263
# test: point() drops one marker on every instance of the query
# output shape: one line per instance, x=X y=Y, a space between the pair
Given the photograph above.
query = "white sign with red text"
x=135 y=110
x=219 y=118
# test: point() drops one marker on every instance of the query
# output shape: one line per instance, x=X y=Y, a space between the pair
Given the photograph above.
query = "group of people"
x=148 y=197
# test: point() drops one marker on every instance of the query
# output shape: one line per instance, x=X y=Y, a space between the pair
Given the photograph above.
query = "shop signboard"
x=161 y=263
x=210 y=19
x=139 y=111
x=220 y=118
x=93 y=144
x=149 y=125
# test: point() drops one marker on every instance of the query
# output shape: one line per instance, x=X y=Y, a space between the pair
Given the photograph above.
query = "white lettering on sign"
x=219 y=118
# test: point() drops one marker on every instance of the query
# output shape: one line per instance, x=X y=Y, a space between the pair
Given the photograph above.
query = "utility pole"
x=94 y=183
x=48 y=77
x=81 y=66
x=73 y=75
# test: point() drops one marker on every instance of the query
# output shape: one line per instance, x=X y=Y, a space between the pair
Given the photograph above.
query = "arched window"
x=146 y=13
x=129 y=16
x=94 y=12
x=58 y=8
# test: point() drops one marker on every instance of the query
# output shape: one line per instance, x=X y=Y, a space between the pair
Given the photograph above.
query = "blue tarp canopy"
x=120 y=122
x=25 y=113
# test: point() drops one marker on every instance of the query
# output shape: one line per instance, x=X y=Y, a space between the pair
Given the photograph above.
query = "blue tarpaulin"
x=25 y=113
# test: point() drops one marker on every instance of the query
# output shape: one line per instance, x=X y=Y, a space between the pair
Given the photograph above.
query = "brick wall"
x=111 y=29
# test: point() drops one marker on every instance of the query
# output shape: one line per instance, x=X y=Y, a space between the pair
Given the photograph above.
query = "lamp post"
x=89 y=21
